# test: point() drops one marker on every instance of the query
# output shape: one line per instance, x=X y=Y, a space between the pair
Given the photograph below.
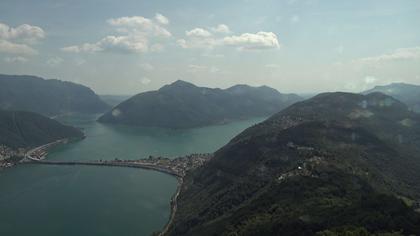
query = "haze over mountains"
x=47 y=97
x=351 y=156
x=336 y=163
x=407 y=93
x=184 y=105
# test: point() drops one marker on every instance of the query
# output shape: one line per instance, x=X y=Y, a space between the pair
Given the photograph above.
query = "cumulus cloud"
x=15 y=48
x=198 y=32
x=23 y=33
x=135 y=34
x=412 y=53
x=161 y=19
x=201 y=38
x=198 y=42
x=18 y=40
x=140 y=25
x=125 y=44
x=248 y=41
x=222 y=28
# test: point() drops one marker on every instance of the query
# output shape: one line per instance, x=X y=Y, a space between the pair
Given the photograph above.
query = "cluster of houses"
x=7 y=154
x=179 y=165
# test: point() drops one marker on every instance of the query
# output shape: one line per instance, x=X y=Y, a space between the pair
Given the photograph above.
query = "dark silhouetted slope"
x=48 y=97
x=19 y=129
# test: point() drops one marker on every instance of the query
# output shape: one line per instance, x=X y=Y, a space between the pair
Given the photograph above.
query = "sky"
x=131 y=46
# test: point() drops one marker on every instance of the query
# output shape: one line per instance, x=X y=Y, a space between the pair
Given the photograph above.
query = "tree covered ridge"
x=47 y=97
x=314 y=168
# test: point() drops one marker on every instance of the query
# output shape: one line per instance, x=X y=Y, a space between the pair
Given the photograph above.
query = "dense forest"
x=338 y=163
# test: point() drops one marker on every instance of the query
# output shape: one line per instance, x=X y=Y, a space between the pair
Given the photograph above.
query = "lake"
x=88 y=200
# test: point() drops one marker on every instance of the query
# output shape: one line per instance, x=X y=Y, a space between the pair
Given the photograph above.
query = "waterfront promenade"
x=117 y=163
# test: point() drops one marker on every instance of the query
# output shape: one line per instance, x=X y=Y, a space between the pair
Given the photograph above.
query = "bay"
x=89 y=200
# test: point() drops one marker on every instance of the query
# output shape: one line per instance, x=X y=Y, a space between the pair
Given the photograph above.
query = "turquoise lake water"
x=89 y=200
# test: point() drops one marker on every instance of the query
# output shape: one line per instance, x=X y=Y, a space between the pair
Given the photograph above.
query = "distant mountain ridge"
x=47 y=97
x=184 y=105
x=20 y=129
x=407 y=93
x=336 y=164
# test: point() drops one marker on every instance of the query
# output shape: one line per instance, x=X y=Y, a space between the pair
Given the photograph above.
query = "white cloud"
x=201 y=38
x=15 y=59
x=136 y=33
x=16 y=48
x=17 y=40
x=258 y=41
x=222 y=28
x=161 y=19
x=198 y=32
x=54 y=61
x=399 y=54
x=145 y=81
x=124 y=44
x=23 y=33
x=86 y=47
x=195 y=42
x=139 y=25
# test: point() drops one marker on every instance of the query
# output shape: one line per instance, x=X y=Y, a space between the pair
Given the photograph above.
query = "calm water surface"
x=84 y=200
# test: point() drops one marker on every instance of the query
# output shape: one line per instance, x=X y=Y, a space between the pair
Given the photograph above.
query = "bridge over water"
x=119 y=163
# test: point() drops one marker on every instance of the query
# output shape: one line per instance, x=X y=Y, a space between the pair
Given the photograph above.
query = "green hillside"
x=338 y=162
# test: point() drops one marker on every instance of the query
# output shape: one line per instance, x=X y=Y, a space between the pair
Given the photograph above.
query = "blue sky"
x=126 y=47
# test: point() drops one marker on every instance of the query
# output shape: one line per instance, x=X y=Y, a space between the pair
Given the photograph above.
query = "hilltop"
x=184 y=105
x=48 y=97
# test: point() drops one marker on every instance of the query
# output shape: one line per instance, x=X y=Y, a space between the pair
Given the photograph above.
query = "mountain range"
x=336 y=164
x=184 y=105
x=407 y=93
x=48 y=97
